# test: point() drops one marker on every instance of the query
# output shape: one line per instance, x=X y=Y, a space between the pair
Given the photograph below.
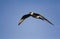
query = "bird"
x=34 y=15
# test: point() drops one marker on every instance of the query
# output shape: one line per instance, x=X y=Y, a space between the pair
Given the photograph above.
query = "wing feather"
x=43 y=18
x=23 y=18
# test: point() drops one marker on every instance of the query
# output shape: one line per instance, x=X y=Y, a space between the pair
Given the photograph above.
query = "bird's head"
x=31 y=13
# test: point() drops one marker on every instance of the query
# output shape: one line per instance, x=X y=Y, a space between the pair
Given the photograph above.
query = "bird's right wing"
x=23 y=18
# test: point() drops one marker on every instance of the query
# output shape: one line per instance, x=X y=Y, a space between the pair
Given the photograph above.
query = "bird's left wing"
x=23 y=18
x=43 y=18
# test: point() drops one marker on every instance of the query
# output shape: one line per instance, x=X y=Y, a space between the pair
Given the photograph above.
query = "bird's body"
x=34 y=15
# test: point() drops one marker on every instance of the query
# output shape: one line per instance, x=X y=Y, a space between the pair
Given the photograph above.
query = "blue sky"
x=12 y=10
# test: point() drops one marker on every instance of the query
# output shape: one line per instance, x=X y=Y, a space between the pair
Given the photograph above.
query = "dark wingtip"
x=49 y=22
x=18 y=24
x=52 y=24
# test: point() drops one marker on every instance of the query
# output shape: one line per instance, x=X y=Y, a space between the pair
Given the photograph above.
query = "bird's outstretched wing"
x=23 y=18
x=43 y=18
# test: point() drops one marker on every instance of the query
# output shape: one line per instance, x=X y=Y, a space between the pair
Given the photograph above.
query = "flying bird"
x=34 y=15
